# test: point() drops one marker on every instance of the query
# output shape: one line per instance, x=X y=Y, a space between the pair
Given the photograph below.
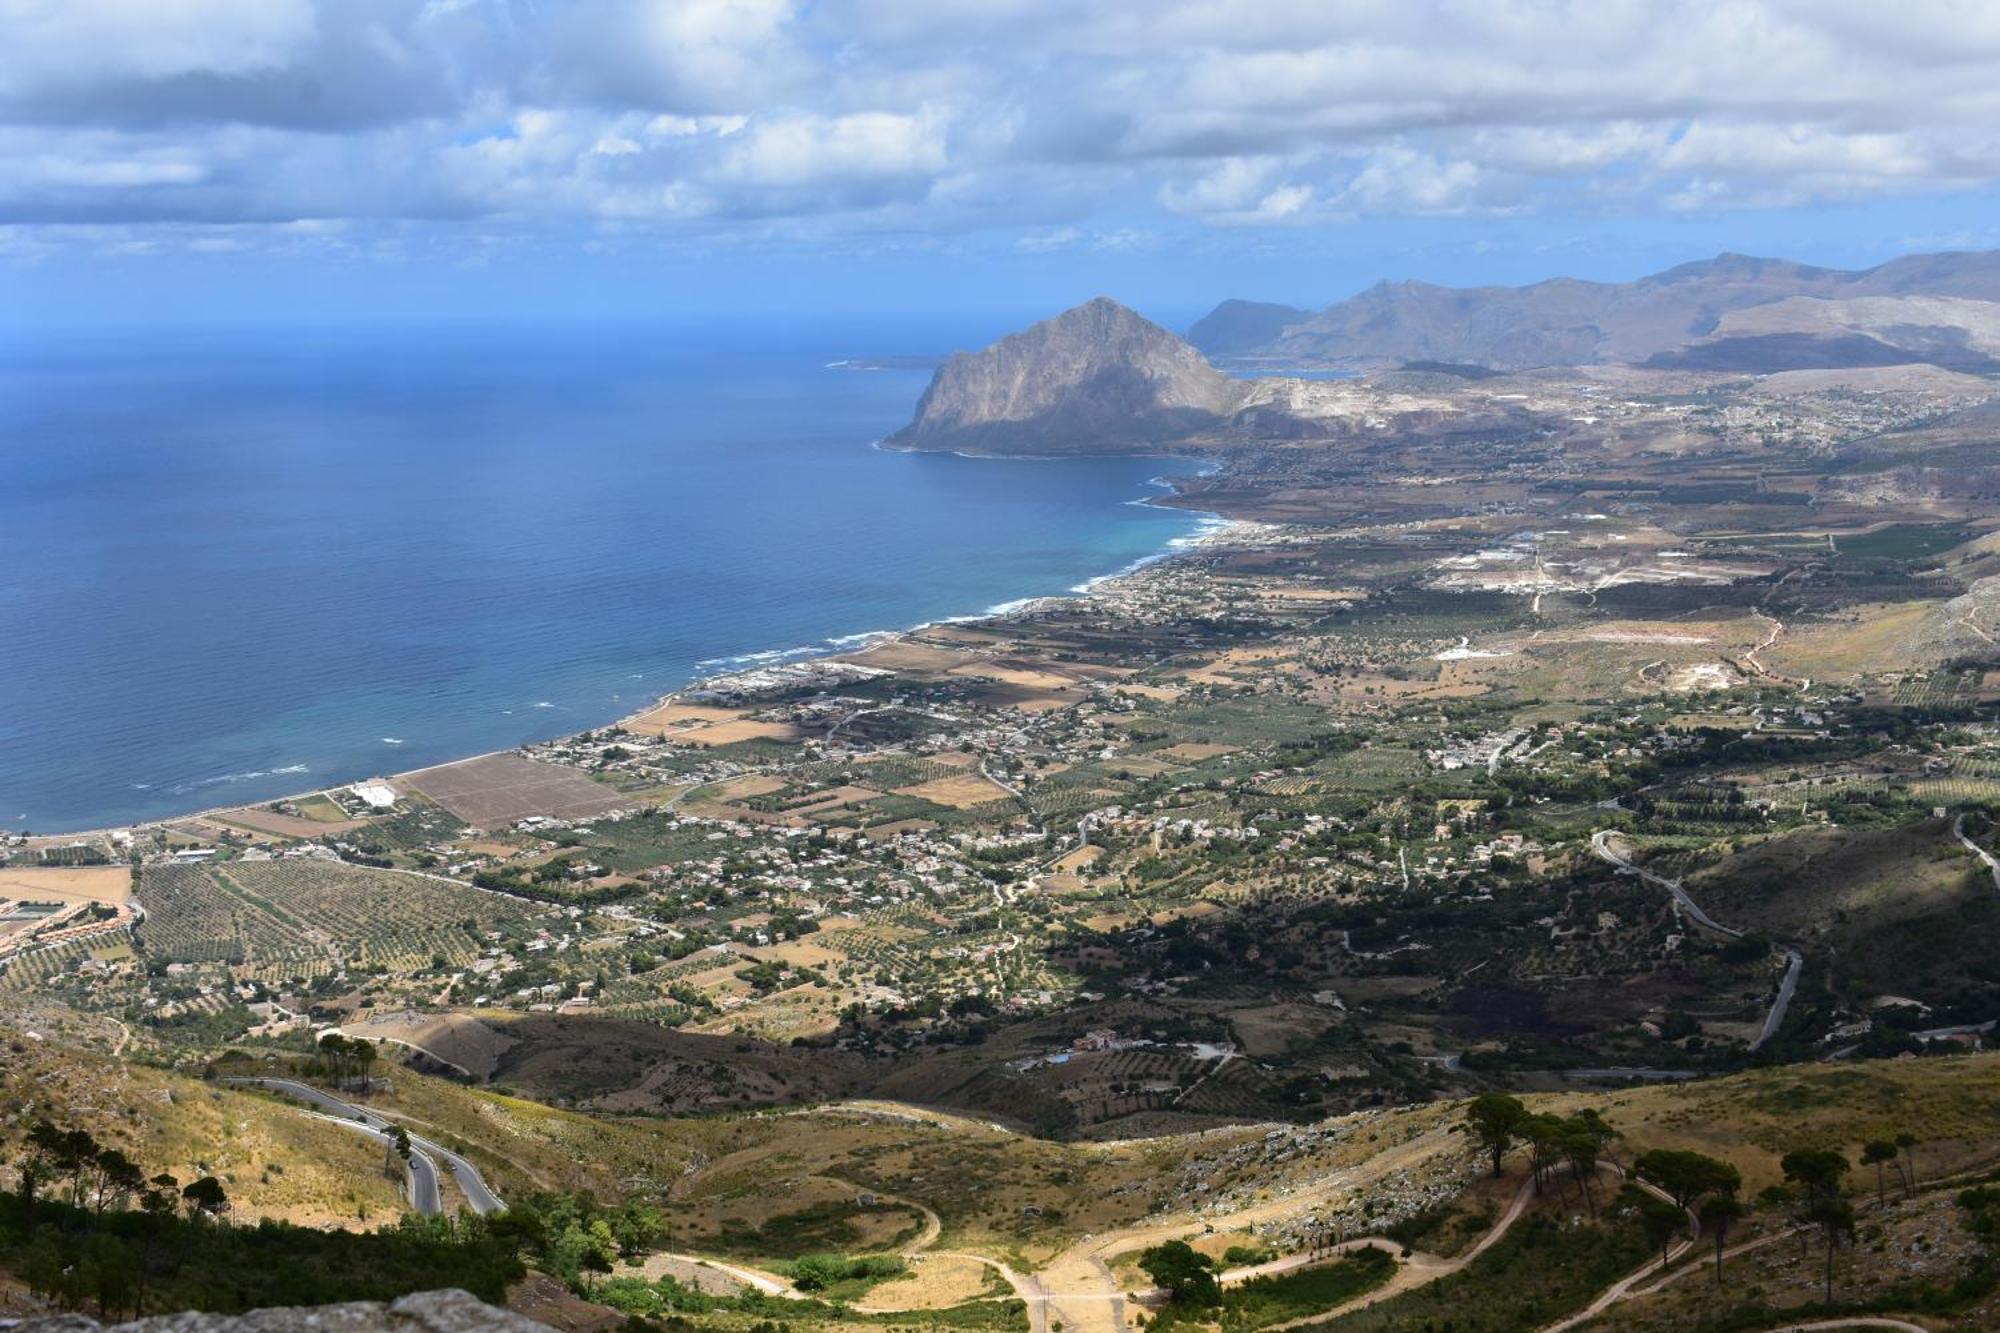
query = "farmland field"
x=501 y=788
x=302 y=912
x=100 y=884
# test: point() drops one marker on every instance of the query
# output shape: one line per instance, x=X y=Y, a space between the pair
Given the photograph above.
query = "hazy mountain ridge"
x=1800 y=332
x=1568 y=321
x=1236 y=327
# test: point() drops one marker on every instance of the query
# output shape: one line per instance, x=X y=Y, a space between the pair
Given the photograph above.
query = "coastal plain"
x=1617 y=737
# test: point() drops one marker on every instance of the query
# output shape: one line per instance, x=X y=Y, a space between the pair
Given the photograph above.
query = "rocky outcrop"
x=1095 y=379
x=422 y=1312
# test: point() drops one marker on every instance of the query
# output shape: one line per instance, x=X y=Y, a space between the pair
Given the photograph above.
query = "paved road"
x=1600 y=843
x=1795 y=962
x=482 y=1199
x=1992 y=864
x=425 y=1195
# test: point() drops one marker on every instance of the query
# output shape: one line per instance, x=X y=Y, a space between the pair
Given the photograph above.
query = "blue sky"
x=257 y=159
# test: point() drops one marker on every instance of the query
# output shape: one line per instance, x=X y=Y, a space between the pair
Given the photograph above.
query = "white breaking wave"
x=182 y=788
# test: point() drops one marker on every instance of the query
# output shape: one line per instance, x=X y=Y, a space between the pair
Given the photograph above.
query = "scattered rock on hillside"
x=422 y=1312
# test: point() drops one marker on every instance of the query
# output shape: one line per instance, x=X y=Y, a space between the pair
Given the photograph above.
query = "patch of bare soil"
x=547 y=1301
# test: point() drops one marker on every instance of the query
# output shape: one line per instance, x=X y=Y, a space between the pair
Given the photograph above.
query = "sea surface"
x=237 y=564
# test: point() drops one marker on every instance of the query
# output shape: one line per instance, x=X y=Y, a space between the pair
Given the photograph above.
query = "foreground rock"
x=421 y=1312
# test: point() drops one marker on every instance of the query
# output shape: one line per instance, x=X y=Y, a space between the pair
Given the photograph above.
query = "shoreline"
x=1215 y=533
x=1212 y=530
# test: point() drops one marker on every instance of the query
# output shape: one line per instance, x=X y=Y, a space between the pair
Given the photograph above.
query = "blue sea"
x=241 y=563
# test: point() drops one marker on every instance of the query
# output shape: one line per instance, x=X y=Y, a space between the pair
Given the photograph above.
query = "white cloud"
x=1052 y=238
x=55 y=43
x=614 y=145
x=1063 y=124
x=1231 y=186
x=677 y=55
x=798 y=149
x=1397 y=180
x=1790 y=151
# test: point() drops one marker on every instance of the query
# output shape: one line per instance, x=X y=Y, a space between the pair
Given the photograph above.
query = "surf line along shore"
x=1215 y=533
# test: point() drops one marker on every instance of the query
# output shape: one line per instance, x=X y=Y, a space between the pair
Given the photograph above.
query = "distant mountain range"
x=1100 y=378
x=1733 y=312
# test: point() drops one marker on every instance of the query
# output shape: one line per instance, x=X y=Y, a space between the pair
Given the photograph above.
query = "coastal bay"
x=393 y=547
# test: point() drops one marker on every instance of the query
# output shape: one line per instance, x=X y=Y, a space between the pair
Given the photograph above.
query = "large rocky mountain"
x=1097 y=377
x=1922 y=308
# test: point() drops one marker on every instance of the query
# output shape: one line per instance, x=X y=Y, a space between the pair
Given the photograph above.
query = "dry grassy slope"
x=980 y=1176
x=1921 y=1241
x=1952 y=1105
x=523 y=1146
x=1869 y=640
x=274 y=1162
x=977 y=1175
x=1900 y=910
x=629 y=1067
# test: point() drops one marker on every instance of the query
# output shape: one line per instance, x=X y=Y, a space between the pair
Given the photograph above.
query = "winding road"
x=478 y=1196
x=1078 y=1288
x=1600 y=844
x=1992 y=863
x=425 y=1195
x=1620 y=1289
x=1077 y=1291
x=1771 y=636
x=1795 y=961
